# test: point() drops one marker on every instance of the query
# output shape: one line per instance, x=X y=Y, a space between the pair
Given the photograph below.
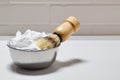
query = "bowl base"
x=34 y=66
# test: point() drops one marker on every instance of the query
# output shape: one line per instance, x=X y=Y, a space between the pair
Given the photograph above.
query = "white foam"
x=26 y=41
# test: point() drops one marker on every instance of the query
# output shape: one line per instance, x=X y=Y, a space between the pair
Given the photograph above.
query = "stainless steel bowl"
x=33 y=59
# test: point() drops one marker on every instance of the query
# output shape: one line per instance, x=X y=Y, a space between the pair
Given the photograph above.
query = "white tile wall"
x=86 y=13
x=29 y=14
x=4 y=1
x=50 y=0
x=107 y=1
x=97 y=17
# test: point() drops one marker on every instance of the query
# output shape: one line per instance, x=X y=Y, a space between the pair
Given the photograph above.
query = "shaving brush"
x=60 y=34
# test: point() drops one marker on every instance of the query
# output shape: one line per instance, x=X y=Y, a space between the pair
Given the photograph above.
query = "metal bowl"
x=33 y=59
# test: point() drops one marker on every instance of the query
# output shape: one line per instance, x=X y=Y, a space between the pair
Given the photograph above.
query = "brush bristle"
x=48 y=42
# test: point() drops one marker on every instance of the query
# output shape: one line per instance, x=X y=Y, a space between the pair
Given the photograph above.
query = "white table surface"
x=79 y=58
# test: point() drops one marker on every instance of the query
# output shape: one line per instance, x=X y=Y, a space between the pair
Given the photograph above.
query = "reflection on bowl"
x=33 y=59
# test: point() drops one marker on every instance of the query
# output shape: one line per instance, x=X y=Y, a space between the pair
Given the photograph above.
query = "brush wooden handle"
x=70 y=25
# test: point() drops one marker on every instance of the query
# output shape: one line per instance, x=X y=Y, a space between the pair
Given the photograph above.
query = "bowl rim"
x=32 y=50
